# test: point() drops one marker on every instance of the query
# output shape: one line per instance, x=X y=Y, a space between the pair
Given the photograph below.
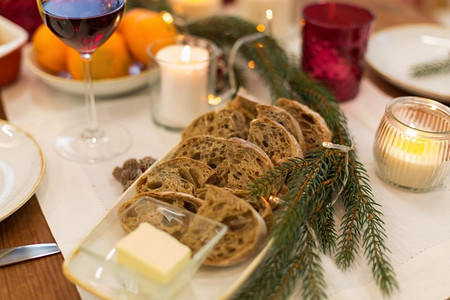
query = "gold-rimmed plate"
x=22 y=167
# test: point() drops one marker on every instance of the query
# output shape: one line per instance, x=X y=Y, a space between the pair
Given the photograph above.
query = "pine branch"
x=438 y=66
x=273 y=181
x=271 y=62
x=312 y=182
x=374 y=234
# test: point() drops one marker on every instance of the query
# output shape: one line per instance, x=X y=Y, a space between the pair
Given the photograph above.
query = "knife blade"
x=17 y=254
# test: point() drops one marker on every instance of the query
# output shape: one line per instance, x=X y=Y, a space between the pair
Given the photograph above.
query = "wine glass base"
x=81 y=145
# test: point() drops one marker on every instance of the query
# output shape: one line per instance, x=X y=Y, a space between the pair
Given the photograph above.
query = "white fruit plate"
x=102 y=88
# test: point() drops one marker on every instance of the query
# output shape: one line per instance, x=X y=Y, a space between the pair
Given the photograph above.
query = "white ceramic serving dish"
x=12 y=38
x=102 y=87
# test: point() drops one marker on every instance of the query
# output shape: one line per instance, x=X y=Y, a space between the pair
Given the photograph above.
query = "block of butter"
x=153 y=253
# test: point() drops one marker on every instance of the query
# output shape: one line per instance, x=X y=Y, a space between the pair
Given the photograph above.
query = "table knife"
x=17 y=254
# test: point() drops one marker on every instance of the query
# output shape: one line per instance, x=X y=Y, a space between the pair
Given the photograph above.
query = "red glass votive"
x=335 y=38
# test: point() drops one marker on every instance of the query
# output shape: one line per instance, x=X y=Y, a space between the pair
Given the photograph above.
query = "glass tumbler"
x=335 y=37
x=412 y=144
x=183 y=81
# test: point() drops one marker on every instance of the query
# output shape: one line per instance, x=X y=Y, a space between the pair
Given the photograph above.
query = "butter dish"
x=94 y=265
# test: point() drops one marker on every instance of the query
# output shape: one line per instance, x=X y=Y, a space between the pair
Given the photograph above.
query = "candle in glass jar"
x=413 y=162
x=412 y=144
x=195 y=9
x=183 y=82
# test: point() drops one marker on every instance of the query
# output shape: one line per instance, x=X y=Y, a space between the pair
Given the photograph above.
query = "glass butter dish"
x=94 y=265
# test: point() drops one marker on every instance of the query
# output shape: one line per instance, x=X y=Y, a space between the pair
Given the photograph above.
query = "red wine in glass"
x=85 y=25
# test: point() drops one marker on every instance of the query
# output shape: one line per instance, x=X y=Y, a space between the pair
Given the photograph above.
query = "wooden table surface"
x=40 y=278
x=43 y=278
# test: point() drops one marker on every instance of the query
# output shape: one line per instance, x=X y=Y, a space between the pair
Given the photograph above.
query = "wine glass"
x=85 y=25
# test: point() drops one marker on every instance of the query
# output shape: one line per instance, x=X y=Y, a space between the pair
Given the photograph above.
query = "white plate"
x=102 y=87
x=393 y=51
x=22 y=166
x=207 y=283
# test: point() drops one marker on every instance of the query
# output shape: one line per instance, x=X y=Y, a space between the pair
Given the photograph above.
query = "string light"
x=167 y=17
x=260 y=28
x=273 y=201
x=213 y=100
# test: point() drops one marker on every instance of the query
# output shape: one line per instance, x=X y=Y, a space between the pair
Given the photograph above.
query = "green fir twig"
x=435 y=67
x=304 y=225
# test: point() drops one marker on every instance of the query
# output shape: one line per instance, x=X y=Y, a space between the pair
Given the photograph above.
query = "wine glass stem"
x=92 y=131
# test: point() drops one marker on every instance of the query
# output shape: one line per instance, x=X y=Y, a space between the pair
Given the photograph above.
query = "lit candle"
x=184 y=83
x=195 y=9
x=412 y=143
x=413 y=162
x=280 y=18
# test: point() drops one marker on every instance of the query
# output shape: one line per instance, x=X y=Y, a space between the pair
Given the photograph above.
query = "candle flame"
x=269 y=14
x=186 y=54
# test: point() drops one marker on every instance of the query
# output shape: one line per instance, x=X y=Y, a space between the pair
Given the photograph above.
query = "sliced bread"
x=260 y=205
x=281 y=116
x=177 y=175
x=186 y=201
x=237 y=162
x=246 y=229
x=227 y=122
x=274 y=140
x=244 y=105
x=313 y=126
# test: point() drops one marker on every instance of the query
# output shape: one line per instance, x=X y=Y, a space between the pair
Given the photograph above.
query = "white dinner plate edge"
x=38 y=179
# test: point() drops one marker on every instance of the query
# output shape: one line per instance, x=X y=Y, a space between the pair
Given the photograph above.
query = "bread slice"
x=246 y=229
x=281 y=116
x=186 y=201
x=177 y=175
x=237 y=162
x=273 y=139
x=227 y=122
x=313 y=126
x=244 y=105
x=260 y=205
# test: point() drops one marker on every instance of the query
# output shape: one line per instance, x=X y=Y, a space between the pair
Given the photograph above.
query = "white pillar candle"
x=184 y=83
x=195 y=9
x=282 y=14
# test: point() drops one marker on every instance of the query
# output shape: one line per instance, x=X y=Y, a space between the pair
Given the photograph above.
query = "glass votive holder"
x=184 y=78
x=412 y=144
x=335 y=37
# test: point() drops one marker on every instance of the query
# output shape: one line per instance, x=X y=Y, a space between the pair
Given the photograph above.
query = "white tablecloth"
x=75 y=196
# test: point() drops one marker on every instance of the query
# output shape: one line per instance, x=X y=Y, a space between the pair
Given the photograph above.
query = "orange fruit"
x=111 y=60
x=50 y=52
x=141 y=27
x=130 y=16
